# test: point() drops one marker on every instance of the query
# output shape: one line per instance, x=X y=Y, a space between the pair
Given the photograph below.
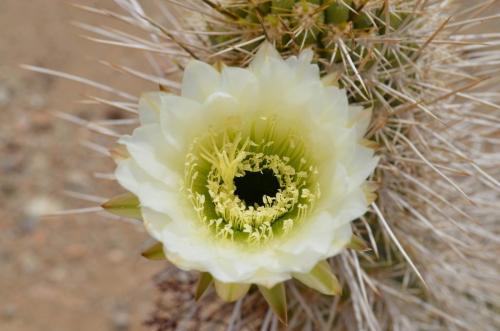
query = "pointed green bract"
x=276 y=298
x=230 y=292
x=155 y=252
x=125 y=205
x=357 y=244
x=321 y=278
x=203 y=283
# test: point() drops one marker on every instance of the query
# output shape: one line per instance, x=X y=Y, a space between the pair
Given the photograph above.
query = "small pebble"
x=27 y=225
x=8 y=312
x=5 y=96
x=75 y=251
x=41 y=121
x=183 y=277
x=58 y=275
x=37 y=101
x=29 y=263
x=116 y=255
x=121 y=320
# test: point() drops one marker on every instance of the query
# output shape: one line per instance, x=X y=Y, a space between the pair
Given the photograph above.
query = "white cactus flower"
x=251 y=175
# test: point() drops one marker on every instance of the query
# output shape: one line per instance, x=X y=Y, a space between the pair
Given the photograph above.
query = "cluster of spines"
x=411 y=191
x=347 y=37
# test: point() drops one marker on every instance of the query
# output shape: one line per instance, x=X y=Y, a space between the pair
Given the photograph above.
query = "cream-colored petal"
x=181 y=120
x=221 y=106
x=154 y=154
x=199 y=81
x=359 y=119
x=243 y=86
x=264 y=54
x=149 y=107
x=342 y=237
x=151 y=192
x=362 y=165
x=302 y=66
x=193 y=248
x=311 y=242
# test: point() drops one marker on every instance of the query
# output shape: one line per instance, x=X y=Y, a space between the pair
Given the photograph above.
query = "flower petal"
x=151 y=192
x=154 y=154
x=149 y=107
x=200 y=80
x=181 y=120
x=242 y=85
x=264 y=54
x=321 y=278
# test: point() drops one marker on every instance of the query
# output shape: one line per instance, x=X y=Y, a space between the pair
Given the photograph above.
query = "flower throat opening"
x=253 y=186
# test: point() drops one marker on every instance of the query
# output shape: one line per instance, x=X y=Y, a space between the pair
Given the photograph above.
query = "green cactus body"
x=280 y=6
x=338 y=12
x=335 y=29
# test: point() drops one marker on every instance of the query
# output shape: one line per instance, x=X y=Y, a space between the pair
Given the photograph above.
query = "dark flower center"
x=252 y=186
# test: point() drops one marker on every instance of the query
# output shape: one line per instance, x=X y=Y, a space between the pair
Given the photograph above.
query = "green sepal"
x=321 y=278
x=125 y=205
x=203 y=283
x=230 y=292
x=357 y=244
x=276 y=299
x=155 y=252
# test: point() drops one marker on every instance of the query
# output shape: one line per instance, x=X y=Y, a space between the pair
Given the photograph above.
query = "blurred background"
x=79 y=272
x=75 y=272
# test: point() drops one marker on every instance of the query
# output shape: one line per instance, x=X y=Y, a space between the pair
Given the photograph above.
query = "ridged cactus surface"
x=358 y=44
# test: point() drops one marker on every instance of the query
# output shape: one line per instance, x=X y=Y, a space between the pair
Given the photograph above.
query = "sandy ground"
x=74 y=272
